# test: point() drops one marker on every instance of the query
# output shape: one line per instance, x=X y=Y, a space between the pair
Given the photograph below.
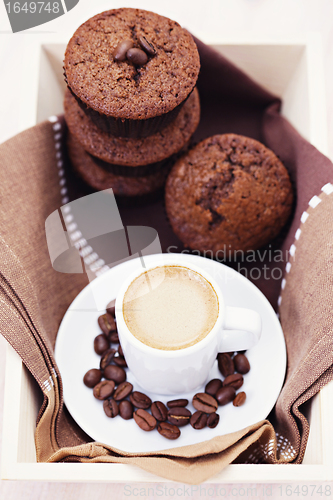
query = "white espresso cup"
x=182 y=370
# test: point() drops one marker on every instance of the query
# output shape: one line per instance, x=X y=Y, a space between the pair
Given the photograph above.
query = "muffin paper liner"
x=134 y=129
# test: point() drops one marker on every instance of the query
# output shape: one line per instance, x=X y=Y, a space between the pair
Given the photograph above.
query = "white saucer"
x=75 y=356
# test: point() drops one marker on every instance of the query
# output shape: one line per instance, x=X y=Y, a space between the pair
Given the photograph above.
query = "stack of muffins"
x=131 y=105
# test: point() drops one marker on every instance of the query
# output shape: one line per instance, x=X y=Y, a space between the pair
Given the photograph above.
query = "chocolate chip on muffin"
x=228 y=190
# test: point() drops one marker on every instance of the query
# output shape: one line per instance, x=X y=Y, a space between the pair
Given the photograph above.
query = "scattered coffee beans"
x=120 y=361
x=225 y=364
x=115 y=373
x=198 y=420
x=113 y=337
x=175 y=403
x=107 y=358
x=235 y=380
x=112 y=364
x=213 y=386
x=101 y=344
x=126 y=409
x=239 y=399
x=110 y=308
x=123 y=390
x=179 y=416
x=110 y=408
x=204 y=402
x=146 y=46
x=119 y=53
x=168 y=431
x=140 y=400
x=107 y=324
x=159 y=411
x=92 y=377
x=242 y=364
x=213 y=420
x=137 y=56
x=145 y=420
x=104 y=389
x=225 y=395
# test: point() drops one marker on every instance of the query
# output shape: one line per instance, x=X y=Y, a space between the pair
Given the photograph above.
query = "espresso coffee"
x=170 y=307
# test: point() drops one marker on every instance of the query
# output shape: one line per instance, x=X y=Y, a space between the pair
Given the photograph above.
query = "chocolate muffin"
x=96 y=174
x=122 y=92
x=228 y=190
x=133 y=152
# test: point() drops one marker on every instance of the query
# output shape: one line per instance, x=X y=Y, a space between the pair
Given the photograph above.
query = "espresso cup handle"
x=242 y=329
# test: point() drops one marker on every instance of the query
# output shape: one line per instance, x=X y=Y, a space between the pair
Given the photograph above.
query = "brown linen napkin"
x=34 y=297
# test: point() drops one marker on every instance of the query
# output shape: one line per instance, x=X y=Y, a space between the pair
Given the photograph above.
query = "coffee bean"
x=225 y=395
x=104 y=389
x=123 y=390
x=179 y=416
x=239 y=399
x=213 y=386
x=168 y=431
x=213 y=420
x=120 y=351
x=137 y=56
x=115 y=373
x=175 y=403
x=242 y=364
x=107 y=358
x=146 y=46
x=111 y=408
x=107 y=324
x=235 y=380
x=92 y=377
x=159 y=411
x=101 y=344
x=126 y=409
x=204 y=402
x=110 y=308
x=145 y=420
x=119 y=53
x=140 y=400
x=120 y=361
x=225 y=364
x=113 y=337
x=198 y=420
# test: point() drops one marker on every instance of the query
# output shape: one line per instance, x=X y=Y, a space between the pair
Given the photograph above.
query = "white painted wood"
x=326 y=404
x=314 y=449
x=51 y=82
x=11 y=412
x=30 y=403
x=293 y=70
x=256 y=61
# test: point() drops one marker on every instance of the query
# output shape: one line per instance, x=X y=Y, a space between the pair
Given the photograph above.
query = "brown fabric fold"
x=34 y=297
x=191 y=464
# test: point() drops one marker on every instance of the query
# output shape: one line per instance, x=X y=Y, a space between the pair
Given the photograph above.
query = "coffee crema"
x=170 y=307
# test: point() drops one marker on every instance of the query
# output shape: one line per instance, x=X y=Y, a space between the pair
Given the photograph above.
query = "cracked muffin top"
x=228 y=190
x=121 y=88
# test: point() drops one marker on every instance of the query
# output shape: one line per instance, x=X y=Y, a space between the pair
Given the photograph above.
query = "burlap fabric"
x=34 y=297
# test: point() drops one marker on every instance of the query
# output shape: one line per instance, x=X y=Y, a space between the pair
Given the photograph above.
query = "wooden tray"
x=293 y=70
